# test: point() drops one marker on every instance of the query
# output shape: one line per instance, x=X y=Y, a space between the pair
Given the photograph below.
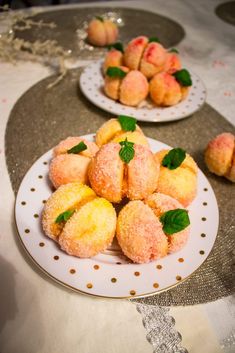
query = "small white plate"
x=111 y=274
x=92 y=82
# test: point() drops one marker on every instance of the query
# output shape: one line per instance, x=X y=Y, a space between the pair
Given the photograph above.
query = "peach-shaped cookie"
x=140 y=234
x=111 y=30
x=136 y=137
x=106 y=173
x=172 y=63
x=160 y=204
x=231 y=174
x=71 y=141
x=112 y=84
x=165 y=90
x=153 y=59
x=68 y=167
x=102 y=32
x=179 y=183
x=220 y=155
x=113 y=179
x=112 y=131
x=134 y=52
x=112 y=58
x=142 y=173
x=134 y=88
x=90 y=230
x=66 y=197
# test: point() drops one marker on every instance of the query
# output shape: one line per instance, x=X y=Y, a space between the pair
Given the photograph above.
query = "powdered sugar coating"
x=111 y=30
x=112 y=85
x=106 y=172
x=112 y=58
x=160 y=204
x=153 y=59
x=231 y=174
x=143 y=172
x=101 y=33
x=72 y=141
x=165 y=90
x=96 y=33
x=139 y=233
x=107 y=131
x=136 y=137
x=134 y=51
x=68 y=168
x=134 y=88
x=220 y=155
x=111 y=131
x=90 y=230
x=172 y=63
x=66 y=197
x=111 y=178
x=180 y=183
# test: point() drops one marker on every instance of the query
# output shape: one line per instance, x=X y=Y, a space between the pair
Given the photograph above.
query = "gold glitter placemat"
x=135 y=22
x=42 y=117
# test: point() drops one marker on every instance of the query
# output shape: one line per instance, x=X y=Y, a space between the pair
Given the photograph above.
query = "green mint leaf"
x=127 y=122
x=126 y=143
x=99 y=18
x=174 y=158
x=127 y=151
x=78 y=148
x=183 y=77
x=114 y=71
x=64 y=216
x=174 y=221
x=117 y=46
x=173 y=50
x=154 y=39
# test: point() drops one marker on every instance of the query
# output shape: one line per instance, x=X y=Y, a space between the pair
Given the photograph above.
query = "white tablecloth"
x=37 y=315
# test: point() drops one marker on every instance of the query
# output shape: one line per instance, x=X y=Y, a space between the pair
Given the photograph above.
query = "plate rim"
x=136 y=296
x=155 y=120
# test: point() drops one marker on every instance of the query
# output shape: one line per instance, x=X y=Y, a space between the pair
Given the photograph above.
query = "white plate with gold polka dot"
x=111 y=274
x=92 y=86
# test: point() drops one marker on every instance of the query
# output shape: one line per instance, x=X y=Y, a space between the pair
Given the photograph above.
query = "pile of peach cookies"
x=90 y=178
x=145 y=68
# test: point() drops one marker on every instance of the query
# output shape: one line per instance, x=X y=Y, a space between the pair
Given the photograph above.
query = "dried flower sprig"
x=12 y=48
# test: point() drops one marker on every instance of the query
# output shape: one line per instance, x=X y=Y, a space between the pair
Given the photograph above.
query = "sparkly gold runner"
x=41 y=118
x=135 y=22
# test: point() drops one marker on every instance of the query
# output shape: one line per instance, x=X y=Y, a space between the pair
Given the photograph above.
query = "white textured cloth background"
x=39 y=316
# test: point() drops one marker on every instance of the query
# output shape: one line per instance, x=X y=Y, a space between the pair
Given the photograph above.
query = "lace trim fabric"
x=228 y=342
x=160 y=327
